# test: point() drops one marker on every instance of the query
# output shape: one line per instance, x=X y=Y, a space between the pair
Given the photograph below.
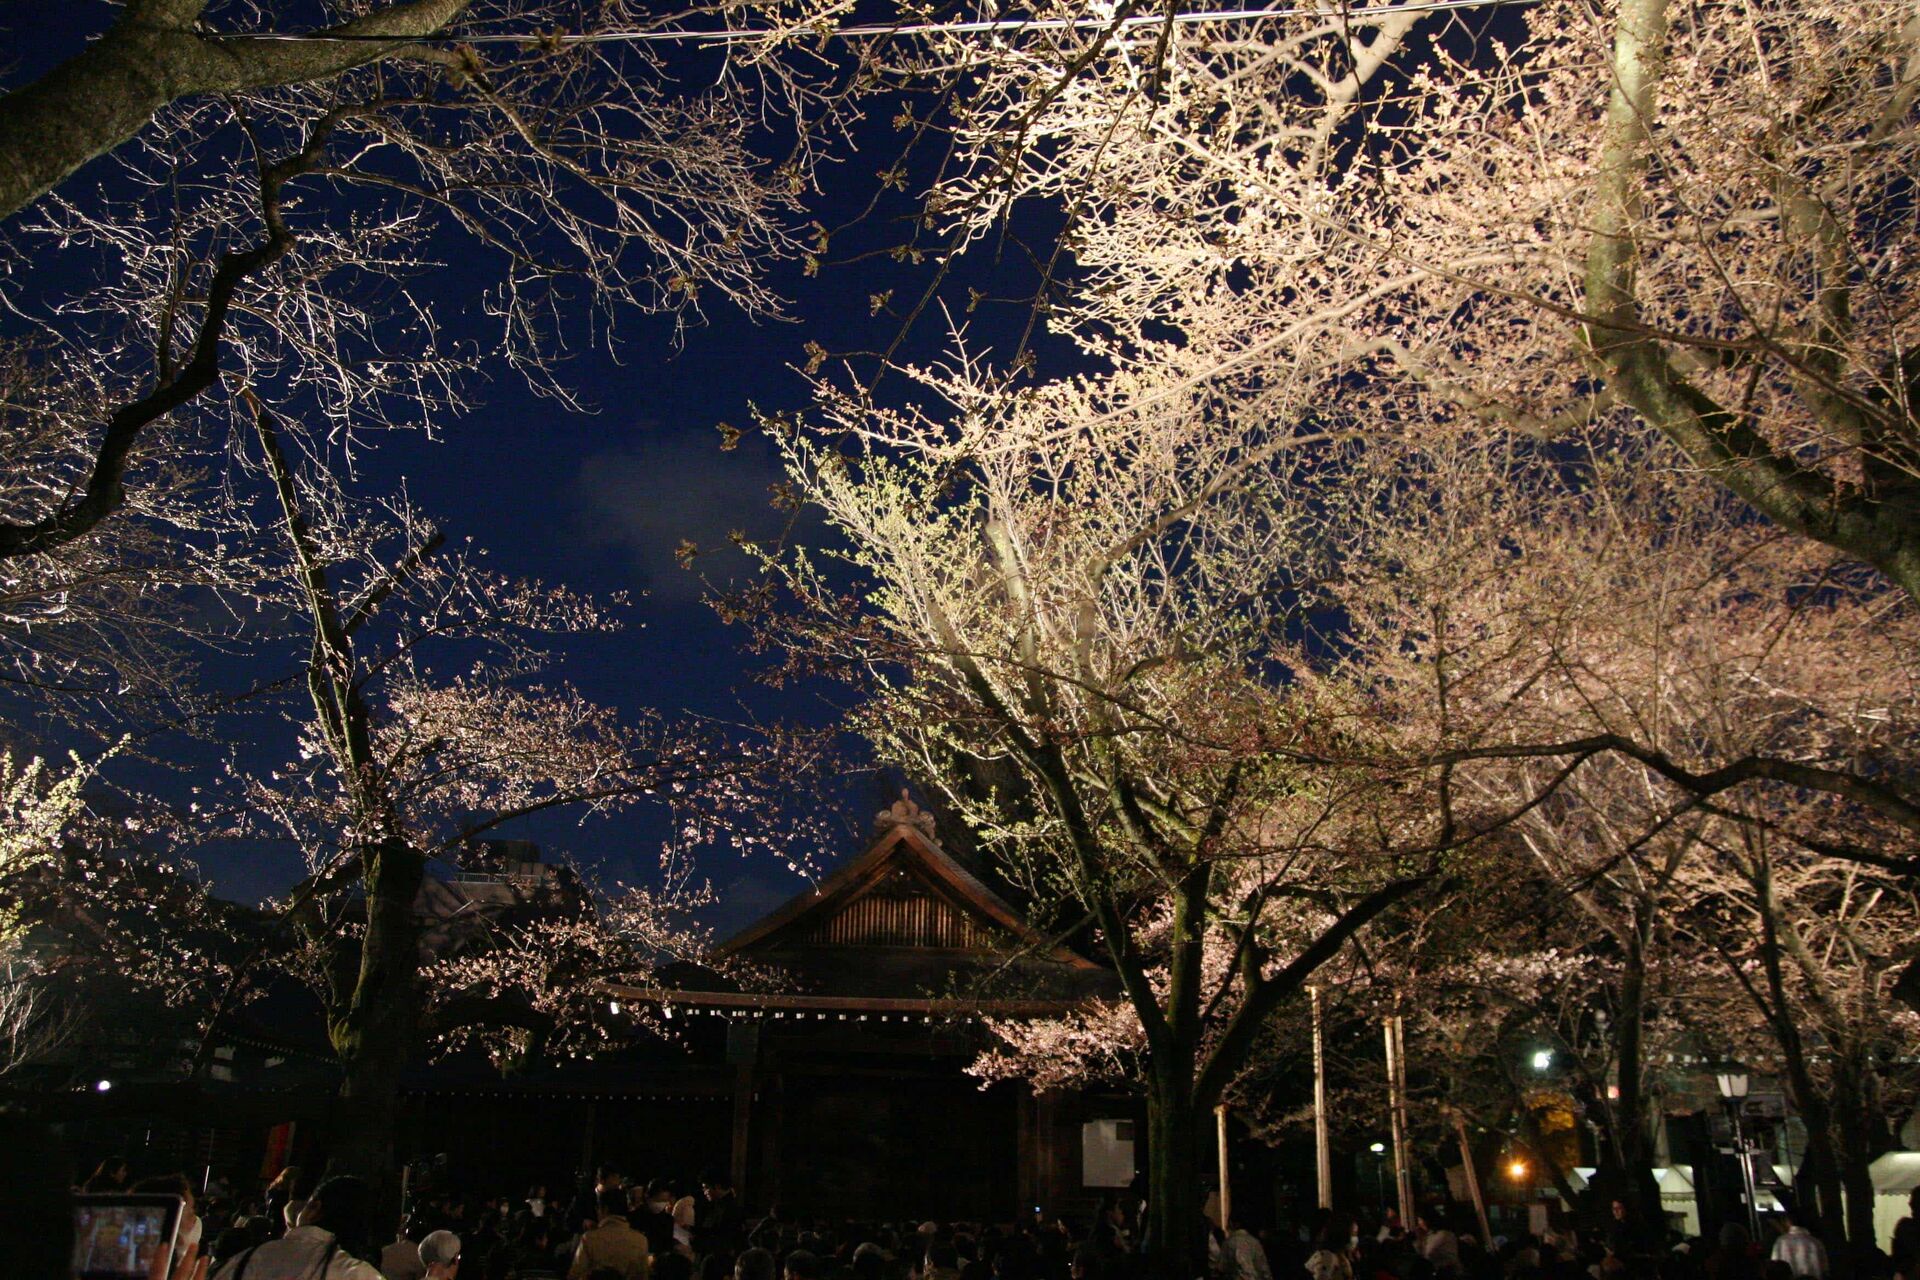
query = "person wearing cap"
x=440 y=1252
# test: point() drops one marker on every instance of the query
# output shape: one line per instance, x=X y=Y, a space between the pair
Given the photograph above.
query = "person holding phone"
x=37 y=1230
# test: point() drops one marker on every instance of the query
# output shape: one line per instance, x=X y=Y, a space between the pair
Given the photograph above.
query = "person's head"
x=1776 y=1270
x=803 y=1265
x=292 y=1212
x=671 y=1266
x=716 y=1183
x=109 y=1175
x=660 y=1192
x=440 y=1255
x=609 y=1177
x=754 y=1264
x=613 y=1203
x=36 y=1231
x=869 y=1261
x=1619 y=1210
x=343 y=1205
x=538 y=1191
x=1336 y=1231
x=1733 y=1237
x=943 y=1255
x=169 y=1184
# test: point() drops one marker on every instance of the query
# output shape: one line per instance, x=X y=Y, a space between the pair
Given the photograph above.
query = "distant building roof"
x=903 y=927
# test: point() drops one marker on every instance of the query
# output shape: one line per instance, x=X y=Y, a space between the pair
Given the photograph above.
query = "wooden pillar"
x=743 y=1054
x=1322 y=1143
x=773 y=1137
x=1473 y=1176
x=1397 y=1108
x=1027 y=1148
x=742 y=1136
x=1226 y=1185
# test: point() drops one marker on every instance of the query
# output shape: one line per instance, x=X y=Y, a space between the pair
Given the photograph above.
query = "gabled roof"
x=901 y=850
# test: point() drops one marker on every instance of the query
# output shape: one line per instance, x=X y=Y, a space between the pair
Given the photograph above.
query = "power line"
x=982 y=27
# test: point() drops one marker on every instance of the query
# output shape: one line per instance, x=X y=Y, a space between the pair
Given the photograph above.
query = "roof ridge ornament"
x=903 y=813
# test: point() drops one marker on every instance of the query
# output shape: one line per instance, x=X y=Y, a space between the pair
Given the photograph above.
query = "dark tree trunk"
x=1859 y=1144
x=1632 y=1144
x=374 y=1033
x=1176 y=1246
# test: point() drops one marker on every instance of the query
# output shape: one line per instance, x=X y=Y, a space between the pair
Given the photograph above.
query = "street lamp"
x=1733 y=1085
x=1379 y=1150
x=1543 y=1059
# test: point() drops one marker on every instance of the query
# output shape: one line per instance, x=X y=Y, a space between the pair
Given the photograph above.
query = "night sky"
x=599 y=500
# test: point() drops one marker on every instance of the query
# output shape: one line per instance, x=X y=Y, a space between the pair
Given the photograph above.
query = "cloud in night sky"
x=648 y=497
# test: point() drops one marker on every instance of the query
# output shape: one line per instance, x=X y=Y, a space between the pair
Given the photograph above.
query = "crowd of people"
x=614 y=1228
x=1339 y=1248
x=610 y=1227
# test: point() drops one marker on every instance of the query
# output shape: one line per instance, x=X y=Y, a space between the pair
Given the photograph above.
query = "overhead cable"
x=985 y=26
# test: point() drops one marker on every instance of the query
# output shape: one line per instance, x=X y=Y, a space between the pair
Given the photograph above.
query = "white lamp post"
x=1733 y=1091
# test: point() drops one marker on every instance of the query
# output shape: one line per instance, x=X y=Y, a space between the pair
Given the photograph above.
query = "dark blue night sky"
x=599 y=500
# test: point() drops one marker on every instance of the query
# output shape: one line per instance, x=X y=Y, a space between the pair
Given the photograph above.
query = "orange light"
x=1517 y=1170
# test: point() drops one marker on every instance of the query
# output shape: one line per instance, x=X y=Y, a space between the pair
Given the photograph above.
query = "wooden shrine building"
x=844 y=1069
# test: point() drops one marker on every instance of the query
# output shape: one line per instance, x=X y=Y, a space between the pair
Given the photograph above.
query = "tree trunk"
x=1630 y=1128
x=153 y=55
x=1822 y=1168
x=374 y=1034
x=1176 y=1247
x=1859 y=1144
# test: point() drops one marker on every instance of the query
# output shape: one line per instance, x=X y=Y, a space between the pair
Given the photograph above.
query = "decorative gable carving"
x=901 y=910
x=903 y=894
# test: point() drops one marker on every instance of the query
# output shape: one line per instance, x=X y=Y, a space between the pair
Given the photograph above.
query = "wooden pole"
x=1397 y=1095
x=1322 y=1146
x=1473 y=1180
x=1226 y=1188
x=742 y=1114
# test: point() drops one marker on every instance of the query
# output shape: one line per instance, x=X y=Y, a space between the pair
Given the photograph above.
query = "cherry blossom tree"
x=1619 y=604
x=1687 y=217
x=1812 y=948
x=268 y=202
x=400 y=762
x=1102 y=605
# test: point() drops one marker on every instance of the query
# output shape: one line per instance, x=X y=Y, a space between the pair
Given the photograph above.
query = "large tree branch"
x=153 y=55
x=105 y=489
x=1723 y=441
x=1045 y=759
x=1265 y=995
x=1883 y=800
